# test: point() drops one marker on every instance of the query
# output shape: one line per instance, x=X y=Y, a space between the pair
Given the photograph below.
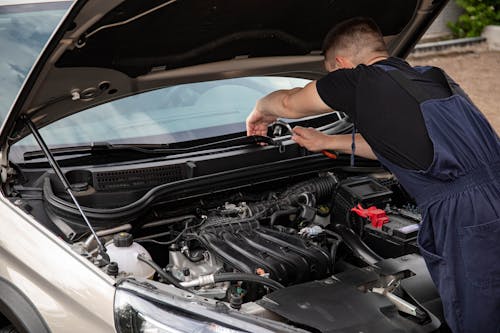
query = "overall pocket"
x=480 y=245
x=439 y=271
x=435 y=263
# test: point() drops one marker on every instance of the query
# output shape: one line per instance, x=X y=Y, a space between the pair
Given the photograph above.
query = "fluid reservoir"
x=124 y=251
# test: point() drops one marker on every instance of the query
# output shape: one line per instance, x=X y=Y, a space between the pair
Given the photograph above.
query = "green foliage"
x=477 y=14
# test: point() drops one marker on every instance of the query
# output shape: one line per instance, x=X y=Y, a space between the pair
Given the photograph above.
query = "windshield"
x=174 y=114
x=24 y=30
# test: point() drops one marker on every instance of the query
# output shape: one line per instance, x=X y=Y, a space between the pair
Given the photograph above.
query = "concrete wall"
x=492 y=35
x=439 y=29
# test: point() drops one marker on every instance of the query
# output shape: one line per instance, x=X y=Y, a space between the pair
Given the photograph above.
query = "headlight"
x=135 y=314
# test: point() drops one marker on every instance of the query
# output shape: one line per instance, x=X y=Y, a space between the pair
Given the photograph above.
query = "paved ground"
x=478 y=74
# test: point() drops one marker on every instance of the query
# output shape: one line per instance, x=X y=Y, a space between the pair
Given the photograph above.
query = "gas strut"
x=64 y=181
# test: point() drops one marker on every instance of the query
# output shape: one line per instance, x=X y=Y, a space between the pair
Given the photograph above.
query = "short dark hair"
x=357 y=32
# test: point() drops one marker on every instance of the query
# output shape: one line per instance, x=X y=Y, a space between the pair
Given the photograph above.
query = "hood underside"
x=186 y=33
x=104 y=50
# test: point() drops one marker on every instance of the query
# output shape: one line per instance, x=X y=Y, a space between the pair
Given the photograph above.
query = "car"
x=133 y=201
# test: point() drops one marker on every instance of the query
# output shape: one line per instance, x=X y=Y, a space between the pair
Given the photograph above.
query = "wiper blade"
x=149 y=149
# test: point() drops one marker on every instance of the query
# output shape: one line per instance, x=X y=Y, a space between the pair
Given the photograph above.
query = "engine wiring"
x=176 y=239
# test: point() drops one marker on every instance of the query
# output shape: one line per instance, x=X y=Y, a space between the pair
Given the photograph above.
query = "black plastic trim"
x=202 y=185
x=19 y=310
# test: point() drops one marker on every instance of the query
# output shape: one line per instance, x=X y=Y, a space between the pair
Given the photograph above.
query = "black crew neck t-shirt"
x=387 y=116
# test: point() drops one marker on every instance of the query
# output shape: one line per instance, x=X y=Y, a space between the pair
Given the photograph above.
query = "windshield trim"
x=319 y=121
x=31 y=6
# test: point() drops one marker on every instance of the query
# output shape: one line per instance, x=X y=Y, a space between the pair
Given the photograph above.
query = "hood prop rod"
x=64 y=181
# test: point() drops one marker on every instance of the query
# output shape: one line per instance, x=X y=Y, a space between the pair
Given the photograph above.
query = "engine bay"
x=289 y=248
x=272 y=231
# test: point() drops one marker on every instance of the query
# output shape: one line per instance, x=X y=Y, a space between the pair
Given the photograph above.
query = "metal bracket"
x=281 y=147
x=401 y=304
x=5 y=170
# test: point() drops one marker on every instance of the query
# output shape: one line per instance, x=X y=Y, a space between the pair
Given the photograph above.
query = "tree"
x=477 y=14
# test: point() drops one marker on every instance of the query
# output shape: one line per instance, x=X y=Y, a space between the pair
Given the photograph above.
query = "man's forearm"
x=293 y=103
x=343 y=144
x=315 y=141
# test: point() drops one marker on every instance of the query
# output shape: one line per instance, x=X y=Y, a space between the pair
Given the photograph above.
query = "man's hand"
x=312 y=139
x=315 y=141
x=257 y=122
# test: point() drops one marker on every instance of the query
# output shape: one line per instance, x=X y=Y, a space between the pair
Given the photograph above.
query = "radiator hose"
x=355 y=244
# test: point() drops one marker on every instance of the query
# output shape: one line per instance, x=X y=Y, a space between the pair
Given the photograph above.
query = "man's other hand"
x=311 y=139
x=316 y=141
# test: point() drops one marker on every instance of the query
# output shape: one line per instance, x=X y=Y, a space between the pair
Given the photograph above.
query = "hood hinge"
x=5 y=169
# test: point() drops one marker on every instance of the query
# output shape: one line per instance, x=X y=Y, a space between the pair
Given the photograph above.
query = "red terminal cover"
x=377 y=216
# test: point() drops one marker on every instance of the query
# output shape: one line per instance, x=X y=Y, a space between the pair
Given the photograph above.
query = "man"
x=423 y=128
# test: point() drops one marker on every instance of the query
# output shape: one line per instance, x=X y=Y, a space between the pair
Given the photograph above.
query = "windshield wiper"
x=149 y=149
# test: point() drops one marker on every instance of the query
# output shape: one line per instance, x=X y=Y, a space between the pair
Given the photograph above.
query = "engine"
x=251 y=237
x=289 y=235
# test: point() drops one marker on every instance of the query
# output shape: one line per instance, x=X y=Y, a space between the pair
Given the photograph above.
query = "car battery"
x=358 y=190
x=396 y=237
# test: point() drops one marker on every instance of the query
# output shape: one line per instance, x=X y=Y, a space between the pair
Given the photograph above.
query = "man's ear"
x=329 y=66
x=344 y=62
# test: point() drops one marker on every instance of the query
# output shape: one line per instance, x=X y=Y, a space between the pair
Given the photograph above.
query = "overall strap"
x=434 y=74
x=353 y=144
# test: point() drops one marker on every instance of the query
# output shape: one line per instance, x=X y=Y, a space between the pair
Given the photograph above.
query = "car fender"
x=19 y=310
x=66 y=290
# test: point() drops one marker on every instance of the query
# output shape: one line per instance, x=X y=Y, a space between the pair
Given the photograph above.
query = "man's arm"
x=293 y=103
x=316 y=141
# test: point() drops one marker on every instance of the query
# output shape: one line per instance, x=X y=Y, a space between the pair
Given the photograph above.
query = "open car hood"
x=104 y=50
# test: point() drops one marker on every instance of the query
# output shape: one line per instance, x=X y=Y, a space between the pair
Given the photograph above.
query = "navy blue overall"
x=459 y=196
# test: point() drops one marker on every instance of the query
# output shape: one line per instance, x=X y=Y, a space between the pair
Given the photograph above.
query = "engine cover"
x=337 y=304
x=247 y=247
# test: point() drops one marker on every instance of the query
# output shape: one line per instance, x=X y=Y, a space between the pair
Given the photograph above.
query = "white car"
x=129 y=129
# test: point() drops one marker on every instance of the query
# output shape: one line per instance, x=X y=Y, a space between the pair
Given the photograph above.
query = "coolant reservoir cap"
x=123 y=239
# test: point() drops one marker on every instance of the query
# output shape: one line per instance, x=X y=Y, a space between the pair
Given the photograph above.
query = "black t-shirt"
x=389 y=118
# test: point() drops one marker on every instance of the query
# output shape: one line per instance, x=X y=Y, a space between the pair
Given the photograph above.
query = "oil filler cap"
x=123 y=239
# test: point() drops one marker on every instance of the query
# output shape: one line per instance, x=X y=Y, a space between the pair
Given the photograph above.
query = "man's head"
x=353 y=42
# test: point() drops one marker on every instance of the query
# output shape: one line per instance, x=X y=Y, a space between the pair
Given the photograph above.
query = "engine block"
x=250 y=248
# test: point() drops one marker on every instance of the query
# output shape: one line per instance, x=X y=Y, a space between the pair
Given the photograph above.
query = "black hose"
x=223 y=277
x=335 y=245
x=281 y=213
x=320 y=187
x=164 y=275
x=357 y=246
